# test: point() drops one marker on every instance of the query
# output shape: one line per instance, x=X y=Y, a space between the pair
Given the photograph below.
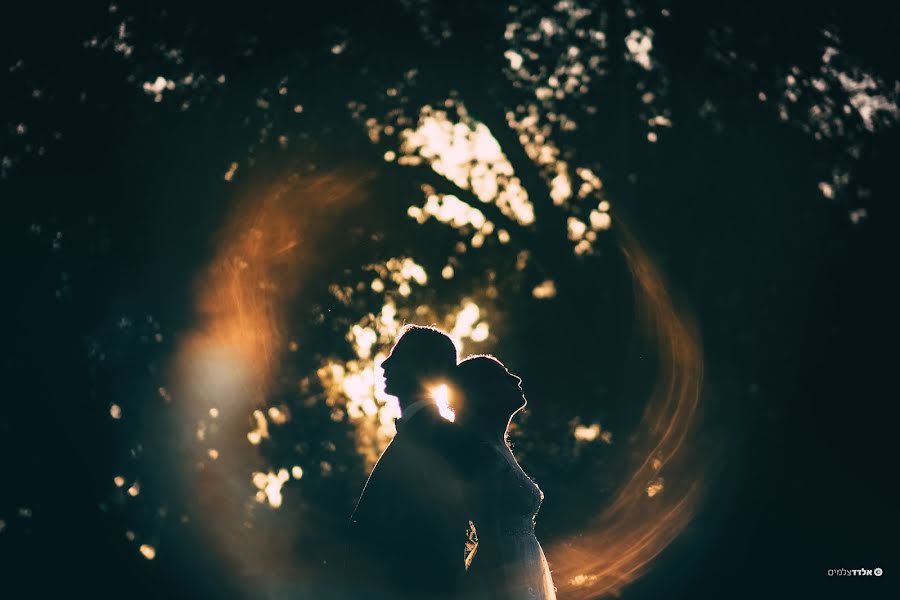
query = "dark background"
x=793 y=298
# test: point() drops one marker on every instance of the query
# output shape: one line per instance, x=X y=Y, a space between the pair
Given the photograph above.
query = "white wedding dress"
x=508 y=563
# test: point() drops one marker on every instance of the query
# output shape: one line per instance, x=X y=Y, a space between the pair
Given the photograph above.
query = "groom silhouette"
x=407 y=534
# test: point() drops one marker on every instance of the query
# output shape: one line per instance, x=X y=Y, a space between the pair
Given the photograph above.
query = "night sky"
x=747 y=154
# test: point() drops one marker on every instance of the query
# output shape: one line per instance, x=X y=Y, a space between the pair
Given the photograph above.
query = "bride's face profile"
x=512 y=390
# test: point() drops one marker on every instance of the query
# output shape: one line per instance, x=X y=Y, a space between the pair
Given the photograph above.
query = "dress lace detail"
x=516 y=526
x=520 y=568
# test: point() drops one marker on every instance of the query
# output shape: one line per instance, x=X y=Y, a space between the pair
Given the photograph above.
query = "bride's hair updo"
x=490 y=392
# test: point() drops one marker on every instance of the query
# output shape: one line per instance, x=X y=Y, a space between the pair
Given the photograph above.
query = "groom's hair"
x=431 y=350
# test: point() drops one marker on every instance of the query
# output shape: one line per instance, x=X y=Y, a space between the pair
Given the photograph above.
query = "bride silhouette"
x=508 y=562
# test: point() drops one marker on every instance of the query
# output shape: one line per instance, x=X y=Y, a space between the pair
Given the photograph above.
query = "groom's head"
x=420 y=355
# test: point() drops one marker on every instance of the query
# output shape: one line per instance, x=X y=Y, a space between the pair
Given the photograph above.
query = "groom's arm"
x=368 y=556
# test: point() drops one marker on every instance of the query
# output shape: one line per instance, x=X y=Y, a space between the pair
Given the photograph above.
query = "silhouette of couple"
x=447 y=511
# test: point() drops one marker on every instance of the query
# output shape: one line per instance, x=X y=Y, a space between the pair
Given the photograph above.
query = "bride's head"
x=491 y=394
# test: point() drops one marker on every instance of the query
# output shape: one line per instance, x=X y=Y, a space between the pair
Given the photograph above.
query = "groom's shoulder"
x=449 y=432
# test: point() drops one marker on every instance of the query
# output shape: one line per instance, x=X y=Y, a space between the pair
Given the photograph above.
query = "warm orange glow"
x=645 y=515
x=225 y=368
x=441 y=395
